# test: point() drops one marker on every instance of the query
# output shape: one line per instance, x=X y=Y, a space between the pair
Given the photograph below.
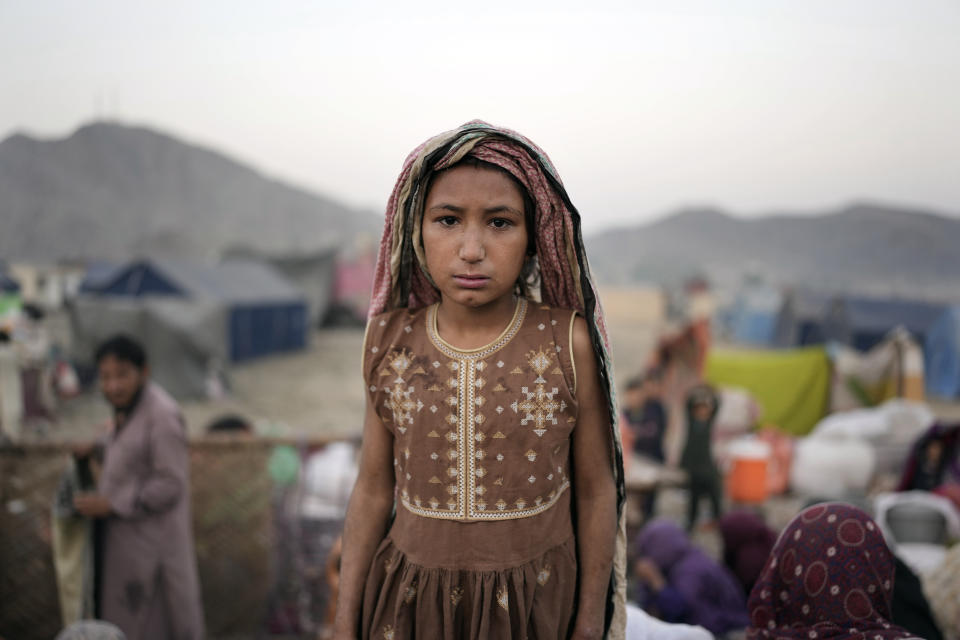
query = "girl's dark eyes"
x=496 y=223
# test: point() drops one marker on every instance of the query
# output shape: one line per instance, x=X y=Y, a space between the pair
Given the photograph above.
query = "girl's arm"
x=594 y=489
x=371 y=504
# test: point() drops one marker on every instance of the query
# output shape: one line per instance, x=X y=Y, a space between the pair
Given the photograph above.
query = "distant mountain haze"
x=866 y=247
x=110 y=191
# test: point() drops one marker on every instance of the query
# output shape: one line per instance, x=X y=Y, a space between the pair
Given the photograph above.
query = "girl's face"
x=474 y=236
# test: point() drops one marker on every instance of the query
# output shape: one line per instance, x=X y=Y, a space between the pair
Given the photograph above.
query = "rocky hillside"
x=111 y=191
x=863 y=246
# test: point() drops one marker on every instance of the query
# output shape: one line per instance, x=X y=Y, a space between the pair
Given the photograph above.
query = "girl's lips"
x=471 y=282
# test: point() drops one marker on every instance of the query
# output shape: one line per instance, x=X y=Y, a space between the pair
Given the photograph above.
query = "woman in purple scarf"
x=747 y=541
x=683 y=584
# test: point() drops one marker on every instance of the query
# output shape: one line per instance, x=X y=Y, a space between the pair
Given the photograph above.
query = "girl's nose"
x=471 y=249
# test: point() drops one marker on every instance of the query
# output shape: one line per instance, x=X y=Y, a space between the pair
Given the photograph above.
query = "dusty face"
x=474 y=236
x=120 y=380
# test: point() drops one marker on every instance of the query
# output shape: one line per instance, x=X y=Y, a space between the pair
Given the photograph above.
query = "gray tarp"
x=183 y=338
x=313 y=274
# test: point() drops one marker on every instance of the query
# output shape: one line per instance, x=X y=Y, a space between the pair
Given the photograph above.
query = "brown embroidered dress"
x=482 y=544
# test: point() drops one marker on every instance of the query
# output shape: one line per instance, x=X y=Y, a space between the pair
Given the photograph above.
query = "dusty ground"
x=319 y=393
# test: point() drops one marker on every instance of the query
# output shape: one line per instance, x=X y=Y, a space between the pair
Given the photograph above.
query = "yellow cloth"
x=792 y=386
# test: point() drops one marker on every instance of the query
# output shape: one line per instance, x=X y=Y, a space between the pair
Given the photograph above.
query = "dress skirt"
x=453 y=590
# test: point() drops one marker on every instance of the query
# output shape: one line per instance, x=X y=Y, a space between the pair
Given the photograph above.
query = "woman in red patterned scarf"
x=830 y=575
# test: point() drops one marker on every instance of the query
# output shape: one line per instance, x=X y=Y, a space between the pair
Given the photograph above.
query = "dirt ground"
x=319 y=393
x=314 y=393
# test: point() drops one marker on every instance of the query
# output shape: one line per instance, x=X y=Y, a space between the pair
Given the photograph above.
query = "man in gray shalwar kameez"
x=148 y=583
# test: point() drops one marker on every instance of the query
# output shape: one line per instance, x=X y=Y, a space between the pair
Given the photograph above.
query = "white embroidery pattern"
x=466 y=497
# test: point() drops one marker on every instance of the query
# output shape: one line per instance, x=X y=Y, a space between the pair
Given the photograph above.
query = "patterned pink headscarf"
x=830 y=575
x=565 y=279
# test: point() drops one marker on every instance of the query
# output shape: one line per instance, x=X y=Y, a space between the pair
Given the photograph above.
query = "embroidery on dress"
x=503 y=597
x=467 y=425
x=539 y=405
x=456 y=595
x=388 y=633
x=544 y=576
x=400 y=399
x=411 y=593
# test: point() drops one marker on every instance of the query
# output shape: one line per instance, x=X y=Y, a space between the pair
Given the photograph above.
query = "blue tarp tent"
x=800 y=322
x=264 y=313
x=862 y=323
x=753 y=318
x=942 y=355
x=98 y=275
x=8 y=285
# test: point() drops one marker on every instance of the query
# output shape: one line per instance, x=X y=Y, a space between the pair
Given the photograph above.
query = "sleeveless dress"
x=482 y=545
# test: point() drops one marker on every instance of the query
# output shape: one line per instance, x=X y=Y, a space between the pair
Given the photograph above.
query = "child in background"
x=643 y=424
x=697 y=459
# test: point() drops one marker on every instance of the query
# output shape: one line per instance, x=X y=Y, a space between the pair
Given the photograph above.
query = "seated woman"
x=942 y=588
x=747 y=541
x=830 y=575
x=680 y=583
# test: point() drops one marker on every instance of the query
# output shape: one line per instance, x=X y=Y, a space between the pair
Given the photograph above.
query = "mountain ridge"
x=110 y=191
x=864 y=245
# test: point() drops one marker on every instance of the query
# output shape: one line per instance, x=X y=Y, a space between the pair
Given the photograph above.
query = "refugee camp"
x=538 y=321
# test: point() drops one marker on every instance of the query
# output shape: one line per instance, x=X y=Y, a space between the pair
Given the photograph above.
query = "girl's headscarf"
x=565 y=279
x=830 y=575
x=747 y=541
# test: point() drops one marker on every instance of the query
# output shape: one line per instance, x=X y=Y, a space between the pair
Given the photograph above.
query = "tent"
x=8 y=285
x=183 y=338
x=791 y=386
x=943 y=354
x=801 y=318
x=354 y=282
x=314 y=274
x=753 y=318
x=891 y=369
x=98 y=275
x=862 y=323
x=261 y=312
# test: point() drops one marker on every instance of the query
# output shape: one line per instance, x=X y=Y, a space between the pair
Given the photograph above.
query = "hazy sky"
x=753 y=106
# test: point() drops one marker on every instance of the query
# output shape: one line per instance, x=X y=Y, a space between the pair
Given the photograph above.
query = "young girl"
x=490 y=490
